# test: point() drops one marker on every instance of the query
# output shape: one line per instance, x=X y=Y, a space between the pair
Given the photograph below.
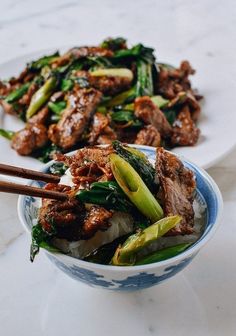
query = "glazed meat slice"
x=148 y=136
x=101 y=133
x=89 y=165
x=97 y=218
x=185 y=133
x=69 y=218
x=171 y=81
x=177 y=190
x=148 y=112
x=75 y=118
x=108 y=85
x=41 y=117
x=81 y=52
x=32 y=137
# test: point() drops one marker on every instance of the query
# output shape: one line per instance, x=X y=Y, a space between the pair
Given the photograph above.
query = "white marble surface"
x=36 y=299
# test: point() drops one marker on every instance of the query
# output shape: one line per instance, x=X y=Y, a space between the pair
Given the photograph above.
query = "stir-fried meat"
x=147 y=111
x=194 y=106
x=25 y=100
x=177 y=190
x=81 y=52
x=97 y=218
x=101 y=133
x=75 y=118
x=70 y=219
x=99 y=122
x=89 y=165
x=148 y=136
x=108 y=85
x=107 y=136
x=25 y=76
x=27 y=140
x=185 y=133
x=8 y=108
x=173 y=81
x=40 y=117
x=64 y=217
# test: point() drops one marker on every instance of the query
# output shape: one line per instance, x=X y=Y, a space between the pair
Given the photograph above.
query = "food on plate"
x=95 y=95
x=121 y=209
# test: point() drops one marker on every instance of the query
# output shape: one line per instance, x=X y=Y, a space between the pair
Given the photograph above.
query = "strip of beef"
x=177 y=190
x=40 y=117
x=147 y=111
x=172 y=81
x=81 y=52
x=75 y=118
x=32 y=137
x=96 y=218
x=100 y=132
x=108 y=85
x=185 y=133
x=69 y=218
x=148 y=136
x=89 y=165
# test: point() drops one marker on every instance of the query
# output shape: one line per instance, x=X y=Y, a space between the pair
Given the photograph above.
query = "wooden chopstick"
x=28 y=174
x=21 y=189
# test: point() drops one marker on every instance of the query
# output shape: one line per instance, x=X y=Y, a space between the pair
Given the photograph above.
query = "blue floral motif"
x=145 y=280
x=82 y=274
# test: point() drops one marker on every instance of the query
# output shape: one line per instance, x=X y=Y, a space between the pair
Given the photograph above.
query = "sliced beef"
x=81 y=52
x=148 y=136
x=89 y=164
x=177 y=190
x=185 y=133
x=148 y=112
x=70 y=219
x=101 y=133
x=32 y=137
x=75 y=118
x=172 y=81
x=40 y=117
x=108 y=85
x=25 y=100
x=97 y=218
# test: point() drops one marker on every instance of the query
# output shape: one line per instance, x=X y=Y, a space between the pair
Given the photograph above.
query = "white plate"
x=217 y=122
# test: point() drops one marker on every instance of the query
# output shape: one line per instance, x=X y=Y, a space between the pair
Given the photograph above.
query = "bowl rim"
x=192 y=250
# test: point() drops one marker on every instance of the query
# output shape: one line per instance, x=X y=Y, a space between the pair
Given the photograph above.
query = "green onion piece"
x=159 y=101
x=57 y=107
x=17 y=94
x=6 y=134
x=114 y=72
x=122 y=98
x=66 y=85
x=134 y=187
x=41 y=97
x=126 y=254
x=163 y=254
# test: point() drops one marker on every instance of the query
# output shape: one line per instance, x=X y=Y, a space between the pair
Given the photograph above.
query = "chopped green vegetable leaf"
x=107 y=194
x=159 y=101
x=58 y=168
x=114 y=43
x=43 y=61
x=66 y=85
x=57 y=107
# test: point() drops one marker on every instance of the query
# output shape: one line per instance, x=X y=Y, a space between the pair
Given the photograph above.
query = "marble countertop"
x=37 y=299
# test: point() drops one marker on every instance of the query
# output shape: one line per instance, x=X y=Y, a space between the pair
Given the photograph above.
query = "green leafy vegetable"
x=43 y=61
x=135 y=189
x=41 y=96
x=57 y=107
x=66 y=85
x=114 y=43
x=170 y=115
x=107 y=194
x=139 y=162
x=136 y=52
x=163 y=254
x=126 y=117
x=58 y=168
x=126 y=254
x=46 y=153
x=40 y=238
x=17 y=94
x=6 y=134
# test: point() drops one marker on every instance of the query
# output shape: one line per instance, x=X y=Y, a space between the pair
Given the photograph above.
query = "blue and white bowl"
x=132 y=278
